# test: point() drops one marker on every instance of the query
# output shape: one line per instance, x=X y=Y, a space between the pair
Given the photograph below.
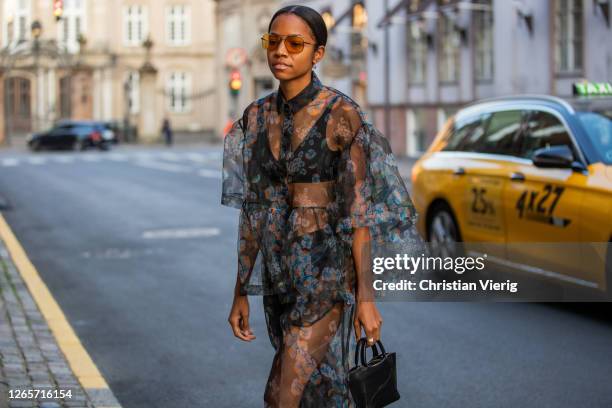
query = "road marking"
x=79 y=360
x=64 y=159
x=142 y=155
x=536 y=270
x=213 y=155
x=169 y=156
x=117 y=156
x=196 y=157
x=181 y=233
x=176 y=168
x=209 y=173
x=141 y=158
x=9 y=162
x=37 y=161
x=90 y=158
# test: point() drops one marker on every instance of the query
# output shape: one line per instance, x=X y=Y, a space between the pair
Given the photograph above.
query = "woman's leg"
x=303 y=349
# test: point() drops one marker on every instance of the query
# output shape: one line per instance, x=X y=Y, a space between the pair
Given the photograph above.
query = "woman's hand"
x=239 y=318
x=368 y=318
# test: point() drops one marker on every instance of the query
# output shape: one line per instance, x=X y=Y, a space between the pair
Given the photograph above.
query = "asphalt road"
x=141 y=257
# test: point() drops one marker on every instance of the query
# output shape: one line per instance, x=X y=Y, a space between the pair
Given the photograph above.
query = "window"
x=133 y=80
x=449 y=50
x=23 y=20
x=178 y=25
x=328 y=18
x=178 y=92
x=543 y=130
x=568 y=36
x=501 y=133
x=417 y=53
x=136 y=27
x=483 y=40
x=358 y=41
x=465 y=134
x=16 y=25
x=72 y=23
x=417 y=130
x=598 y=127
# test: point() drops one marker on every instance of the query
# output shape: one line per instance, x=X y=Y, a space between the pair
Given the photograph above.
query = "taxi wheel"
x=443 y=232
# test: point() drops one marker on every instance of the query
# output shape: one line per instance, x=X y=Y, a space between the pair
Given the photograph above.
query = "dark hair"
x=310 y=16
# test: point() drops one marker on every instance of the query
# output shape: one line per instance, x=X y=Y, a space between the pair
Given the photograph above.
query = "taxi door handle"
x=517 y=176
x=459 y=172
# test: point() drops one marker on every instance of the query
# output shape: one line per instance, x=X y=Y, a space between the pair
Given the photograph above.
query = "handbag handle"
x=361 y=352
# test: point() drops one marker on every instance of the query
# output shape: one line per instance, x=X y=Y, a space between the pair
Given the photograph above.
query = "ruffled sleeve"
x=233 y=194
x=371 y=193
x=233 y=172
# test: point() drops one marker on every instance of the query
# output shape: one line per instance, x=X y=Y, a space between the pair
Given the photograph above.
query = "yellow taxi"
x=526 y=180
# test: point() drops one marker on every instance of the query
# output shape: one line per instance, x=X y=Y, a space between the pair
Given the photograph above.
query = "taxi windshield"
x=598 y=126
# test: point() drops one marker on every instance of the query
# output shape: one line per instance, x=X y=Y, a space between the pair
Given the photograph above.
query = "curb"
x=39 y=350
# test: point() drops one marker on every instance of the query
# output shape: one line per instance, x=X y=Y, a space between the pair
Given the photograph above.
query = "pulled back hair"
x=310 y=16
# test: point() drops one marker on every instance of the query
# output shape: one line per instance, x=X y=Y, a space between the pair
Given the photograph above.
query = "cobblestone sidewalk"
x=30 y=358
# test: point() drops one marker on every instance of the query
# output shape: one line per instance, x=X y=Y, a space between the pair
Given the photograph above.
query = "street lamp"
x=36 y=29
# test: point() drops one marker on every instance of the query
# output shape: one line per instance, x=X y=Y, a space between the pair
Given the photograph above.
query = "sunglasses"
x=293 y=43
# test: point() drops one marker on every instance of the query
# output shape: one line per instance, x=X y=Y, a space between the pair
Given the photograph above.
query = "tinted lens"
x=294 y=44
x=273 y=41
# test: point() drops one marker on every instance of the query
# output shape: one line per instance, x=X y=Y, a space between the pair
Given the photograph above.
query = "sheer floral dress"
x=304 y=173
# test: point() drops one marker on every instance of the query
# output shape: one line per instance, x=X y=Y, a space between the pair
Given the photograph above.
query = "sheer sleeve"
x=371 y=193
x=233 y=172
x=234 y=193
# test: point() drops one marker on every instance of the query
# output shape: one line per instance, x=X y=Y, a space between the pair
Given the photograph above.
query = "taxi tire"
x=442 y=213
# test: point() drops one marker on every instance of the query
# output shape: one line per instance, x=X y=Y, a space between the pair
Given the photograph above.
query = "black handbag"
x=373 y=384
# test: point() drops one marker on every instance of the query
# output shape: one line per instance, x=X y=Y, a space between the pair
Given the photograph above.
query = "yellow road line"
x=78 y=358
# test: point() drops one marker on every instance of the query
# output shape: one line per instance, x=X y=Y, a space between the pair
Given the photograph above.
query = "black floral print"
x=304 y=173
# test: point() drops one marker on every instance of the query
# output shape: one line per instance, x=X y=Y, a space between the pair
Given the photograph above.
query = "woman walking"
x=319 y=193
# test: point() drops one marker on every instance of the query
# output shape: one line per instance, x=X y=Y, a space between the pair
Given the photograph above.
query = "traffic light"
x=235 y=83
x=58 y=9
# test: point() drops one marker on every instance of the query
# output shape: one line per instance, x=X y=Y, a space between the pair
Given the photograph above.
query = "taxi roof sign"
x=592 y=89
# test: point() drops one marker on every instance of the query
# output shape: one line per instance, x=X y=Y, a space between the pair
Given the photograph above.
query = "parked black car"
x=74 y=135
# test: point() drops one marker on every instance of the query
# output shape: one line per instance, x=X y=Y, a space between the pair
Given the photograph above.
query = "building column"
x=52 y=96
x=97 y=93
x=148 y=126
x=39 y=121
x=107 y=94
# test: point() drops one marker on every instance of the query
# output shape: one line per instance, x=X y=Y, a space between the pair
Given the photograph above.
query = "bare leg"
x=302 y=351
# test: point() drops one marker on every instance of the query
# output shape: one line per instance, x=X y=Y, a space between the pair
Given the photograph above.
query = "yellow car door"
x=544 y=202
x=483 y=205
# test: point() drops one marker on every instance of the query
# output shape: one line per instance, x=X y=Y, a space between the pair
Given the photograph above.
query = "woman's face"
x=284 y=65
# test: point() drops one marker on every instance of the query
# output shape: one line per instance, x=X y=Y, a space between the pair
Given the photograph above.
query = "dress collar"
x=301 y=99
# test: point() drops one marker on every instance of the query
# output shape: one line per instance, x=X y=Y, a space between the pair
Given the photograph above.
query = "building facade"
x=446 y=53
x=240 y=25
x=91 y=59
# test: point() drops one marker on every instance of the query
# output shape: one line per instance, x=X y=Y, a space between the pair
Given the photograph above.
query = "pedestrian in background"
x=167 y=131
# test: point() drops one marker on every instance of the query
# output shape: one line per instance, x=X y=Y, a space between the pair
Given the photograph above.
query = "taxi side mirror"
x=554 y=157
